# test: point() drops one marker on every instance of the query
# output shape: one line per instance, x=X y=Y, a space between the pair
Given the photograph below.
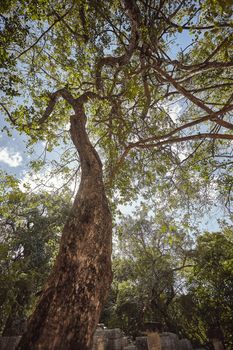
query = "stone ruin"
x=113 y=339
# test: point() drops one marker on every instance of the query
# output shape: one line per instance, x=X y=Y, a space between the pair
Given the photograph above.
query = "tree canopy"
x=180 y=281
x=121 y=59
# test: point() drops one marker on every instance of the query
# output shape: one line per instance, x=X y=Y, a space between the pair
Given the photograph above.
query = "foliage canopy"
x=122 y=59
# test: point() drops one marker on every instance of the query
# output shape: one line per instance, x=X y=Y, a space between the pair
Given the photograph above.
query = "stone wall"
x=113 y=339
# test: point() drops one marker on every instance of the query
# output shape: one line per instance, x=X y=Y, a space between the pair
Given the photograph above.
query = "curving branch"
x=194 y=27
x=184 y=138
x=53 y=100
x=182 y=90
x=162 y=140
x=133 y=13
x=200 y=67
x=205 y=88
x=196 y=100
x=74 y=102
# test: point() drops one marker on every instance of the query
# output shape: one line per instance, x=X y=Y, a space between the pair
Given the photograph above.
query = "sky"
x=14 y=158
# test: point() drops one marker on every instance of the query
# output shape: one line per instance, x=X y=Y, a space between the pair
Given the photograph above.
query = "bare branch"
x=224 y=123
x=193 y=27
x=8 y=113
x=43 y=34
x=199 y=67
x=73 y=32
x=196 y=100
x=182 y=139
x=134 y=15
x=205 y=88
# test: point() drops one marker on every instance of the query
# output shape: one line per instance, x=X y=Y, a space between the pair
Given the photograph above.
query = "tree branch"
x=73 y=32
x=200 y=67
x=43 y=34
x=175 y=25
x=74 y=102
x=182 y=90
x=134 y=15
x=201 y=89
x=197 y=101
x=224 y=123
x=13 y=120
x=53 y=99
x=182 y=139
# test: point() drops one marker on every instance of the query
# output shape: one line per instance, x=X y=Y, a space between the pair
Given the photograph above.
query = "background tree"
x=148 y=272
x=110 y=65
x=211 y=284
x=31 y=226
x=163 y=274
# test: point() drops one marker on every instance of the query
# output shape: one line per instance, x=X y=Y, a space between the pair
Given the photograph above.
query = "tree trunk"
x=68 y=311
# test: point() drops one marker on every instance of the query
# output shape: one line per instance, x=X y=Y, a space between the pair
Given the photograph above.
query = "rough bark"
x=69 y=308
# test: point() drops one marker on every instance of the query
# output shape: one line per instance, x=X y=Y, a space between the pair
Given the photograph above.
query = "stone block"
x=99 y=332
x=99 y=342
x=217 y=343
x=113 y=333
x=125 y=342
x=169 y=341
x=114 y=344
x=141 y=343
x=153 y=341
x=185 y=344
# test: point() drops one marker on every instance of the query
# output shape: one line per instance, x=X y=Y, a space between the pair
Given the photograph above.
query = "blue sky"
x=14 y=157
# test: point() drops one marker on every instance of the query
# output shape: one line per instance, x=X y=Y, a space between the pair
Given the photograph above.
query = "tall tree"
x=110 y=64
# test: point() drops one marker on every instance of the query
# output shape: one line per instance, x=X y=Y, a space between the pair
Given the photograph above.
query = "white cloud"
x=10 y=158
x=45 y=180
x=180 y=151
x=173 y=110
